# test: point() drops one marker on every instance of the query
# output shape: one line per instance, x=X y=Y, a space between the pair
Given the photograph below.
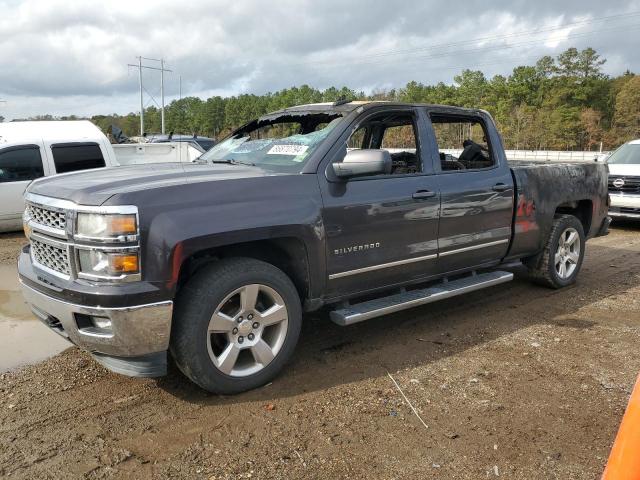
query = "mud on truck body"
x=350 y=206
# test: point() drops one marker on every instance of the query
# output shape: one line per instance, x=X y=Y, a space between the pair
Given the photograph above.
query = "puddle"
x=23 y=339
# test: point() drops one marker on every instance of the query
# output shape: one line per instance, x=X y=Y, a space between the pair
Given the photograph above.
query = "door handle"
x=500 y=187
x=333 y=230
x=424 y=194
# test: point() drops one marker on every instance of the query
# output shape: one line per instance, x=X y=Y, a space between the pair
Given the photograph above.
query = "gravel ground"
x=10 y=244
x=516 y=381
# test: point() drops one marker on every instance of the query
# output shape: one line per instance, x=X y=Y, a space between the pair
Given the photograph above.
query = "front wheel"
x=559 y=263
x=236 y=324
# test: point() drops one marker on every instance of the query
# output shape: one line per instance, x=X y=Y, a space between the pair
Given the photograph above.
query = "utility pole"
x=162 y=93
x=140 y=66
x=141 y=98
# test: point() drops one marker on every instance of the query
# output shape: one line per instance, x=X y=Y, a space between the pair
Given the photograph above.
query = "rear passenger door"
x=476 y=190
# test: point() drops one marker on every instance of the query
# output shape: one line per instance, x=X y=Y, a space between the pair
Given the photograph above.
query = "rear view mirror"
x=363 y=162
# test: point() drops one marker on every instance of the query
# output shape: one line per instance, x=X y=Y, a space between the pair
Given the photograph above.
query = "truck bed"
x=541 y=187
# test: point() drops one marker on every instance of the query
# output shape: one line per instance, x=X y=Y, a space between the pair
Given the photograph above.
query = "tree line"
x=561 y=103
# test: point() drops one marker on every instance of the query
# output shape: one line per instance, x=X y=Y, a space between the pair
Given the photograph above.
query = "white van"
x=30 y=150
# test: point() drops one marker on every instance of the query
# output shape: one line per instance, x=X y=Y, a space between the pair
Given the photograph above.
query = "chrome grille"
x=54 y=258
x=46 y=217
x=629 y=185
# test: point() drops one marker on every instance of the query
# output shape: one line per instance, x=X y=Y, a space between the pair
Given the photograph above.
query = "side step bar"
x=359 y=312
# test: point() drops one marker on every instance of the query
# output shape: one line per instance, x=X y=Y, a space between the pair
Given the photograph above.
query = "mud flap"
x=151 y=365
x=604 y=228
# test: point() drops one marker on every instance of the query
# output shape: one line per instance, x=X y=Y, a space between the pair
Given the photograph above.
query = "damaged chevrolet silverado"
x=357 y=207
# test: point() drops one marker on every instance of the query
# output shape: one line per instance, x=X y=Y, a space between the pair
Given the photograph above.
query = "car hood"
x=94 y=187
x=627 y=170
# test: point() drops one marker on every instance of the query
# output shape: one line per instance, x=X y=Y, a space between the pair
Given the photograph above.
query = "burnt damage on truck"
x=539 y=199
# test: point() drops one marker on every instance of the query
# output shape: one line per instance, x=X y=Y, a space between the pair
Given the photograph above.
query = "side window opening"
x=20 y=164
x=71 y=157
x=394 y=132
x=462 y=143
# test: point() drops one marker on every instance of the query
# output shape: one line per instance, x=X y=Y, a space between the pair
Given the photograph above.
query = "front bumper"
x=135 y=344
x=624 y=205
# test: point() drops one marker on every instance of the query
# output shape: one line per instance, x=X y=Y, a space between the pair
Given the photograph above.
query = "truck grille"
x=46 y=217
x=54 y=258
x=630 y=185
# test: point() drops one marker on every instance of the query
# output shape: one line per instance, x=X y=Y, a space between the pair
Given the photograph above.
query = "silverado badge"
x=356 y=248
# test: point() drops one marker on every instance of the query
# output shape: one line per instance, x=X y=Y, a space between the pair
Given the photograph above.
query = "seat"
x=474 y=156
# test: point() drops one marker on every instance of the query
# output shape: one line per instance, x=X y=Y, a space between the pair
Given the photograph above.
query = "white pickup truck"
x=30 y=150
x=624 y=181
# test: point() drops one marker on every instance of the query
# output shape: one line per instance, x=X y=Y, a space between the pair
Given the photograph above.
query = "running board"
x=359 y=312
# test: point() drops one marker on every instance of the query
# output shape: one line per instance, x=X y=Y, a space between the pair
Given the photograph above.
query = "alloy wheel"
x=247 y=330
x=567 y=253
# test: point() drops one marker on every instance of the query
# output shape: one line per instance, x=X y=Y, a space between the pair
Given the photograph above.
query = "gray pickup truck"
x=358 y=207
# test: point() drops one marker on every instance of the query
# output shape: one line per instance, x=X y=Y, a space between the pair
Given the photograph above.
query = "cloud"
x=71 y=56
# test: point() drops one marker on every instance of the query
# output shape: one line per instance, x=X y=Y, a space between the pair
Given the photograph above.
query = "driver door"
x=382 y=229
x=19 y=165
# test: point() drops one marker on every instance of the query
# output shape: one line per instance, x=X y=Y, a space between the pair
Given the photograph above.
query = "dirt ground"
x=516 y=381
x=10 y=244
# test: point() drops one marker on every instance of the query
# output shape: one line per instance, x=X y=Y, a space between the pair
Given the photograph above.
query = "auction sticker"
x=287 y=150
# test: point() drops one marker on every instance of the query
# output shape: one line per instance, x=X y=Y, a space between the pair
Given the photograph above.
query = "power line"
x=367 y=60
x=624 y=16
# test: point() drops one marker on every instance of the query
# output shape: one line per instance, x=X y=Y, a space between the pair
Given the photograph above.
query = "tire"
x=214 y=322
x=544 y=268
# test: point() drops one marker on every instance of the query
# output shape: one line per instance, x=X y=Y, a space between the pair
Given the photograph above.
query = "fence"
x=544 y=155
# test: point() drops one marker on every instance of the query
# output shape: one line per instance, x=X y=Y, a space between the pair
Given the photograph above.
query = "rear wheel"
x=236 y=324
x=559 y=263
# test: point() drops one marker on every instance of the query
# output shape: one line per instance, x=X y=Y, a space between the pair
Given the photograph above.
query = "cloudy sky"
x=70 y=56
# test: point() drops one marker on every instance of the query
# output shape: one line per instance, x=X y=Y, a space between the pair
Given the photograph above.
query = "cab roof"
x=36 y=131
x=347 y=107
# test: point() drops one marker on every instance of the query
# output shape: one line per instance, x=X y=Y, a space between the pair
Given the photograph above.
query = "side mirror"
x=363 y=162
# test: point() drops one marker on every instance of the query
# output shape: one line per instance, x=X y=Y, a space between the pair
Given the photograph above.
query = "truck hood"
x=94 y=187
x=627 y=170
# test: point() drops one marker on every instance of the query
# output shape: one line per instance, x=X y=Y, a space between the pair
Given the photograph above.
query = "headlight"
x=98 y=258
x=106 y=226
x=99 y=263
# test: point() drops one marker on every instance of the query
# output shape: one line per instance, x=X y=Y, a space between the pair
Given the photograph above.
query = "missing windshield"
x=281 y=143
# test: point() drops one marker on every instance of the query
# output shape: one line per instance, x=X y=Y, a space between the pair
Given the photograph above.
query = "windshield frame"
x=304 y=118
x=629 y=145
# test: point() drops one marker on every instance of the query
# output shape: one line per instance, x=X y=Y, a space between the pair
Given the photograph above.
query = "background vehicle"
x=30 y=150
x=203 y=143
x=302 y=208
x=624 y=181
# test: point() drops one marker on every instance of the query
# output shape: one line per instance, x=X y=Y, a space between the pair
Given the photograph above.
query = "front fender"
x=180 y=221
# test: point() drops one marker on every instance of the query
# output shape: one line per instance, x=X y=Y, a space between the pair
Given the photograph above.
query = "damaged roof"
x=350 y=106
